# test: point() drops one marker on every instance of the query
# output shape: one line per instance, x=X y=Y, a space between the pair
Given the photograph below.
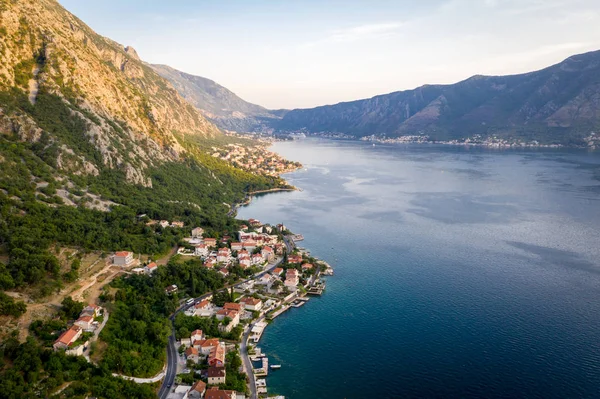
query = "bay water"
x=459 y=272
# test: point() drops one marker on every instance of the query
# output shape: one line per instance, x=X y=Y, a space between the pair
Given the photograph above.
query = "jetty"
x=278 y=312
x=317 y=288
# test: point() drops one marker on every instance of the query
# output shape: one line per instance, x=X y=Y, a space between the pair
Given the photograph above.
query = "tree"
x=70 y=308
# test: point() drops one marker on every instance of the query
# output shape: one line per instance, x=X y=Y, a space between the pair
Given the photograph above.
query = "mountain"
x=91 y=136
x=131 y=113
x=217 y=103
x=558 y=104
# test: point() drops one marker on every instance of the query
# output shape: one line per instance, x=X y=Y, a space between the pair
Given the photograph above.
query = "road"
x=171 y=367
x=97 y=331
x=172 y=354
x=246 y=359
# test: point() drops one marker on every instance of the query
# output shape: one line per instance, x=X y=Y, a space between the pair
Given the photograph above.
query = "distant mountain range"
x=219 y=104
x=558 y=104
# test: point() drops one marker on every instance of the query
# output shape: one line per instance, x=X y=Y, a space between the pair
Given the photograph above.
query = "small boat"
x=275 y=366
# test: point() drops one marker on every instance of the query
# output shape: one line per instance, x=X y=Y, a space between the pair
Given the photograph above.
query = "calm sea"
x=459 y=273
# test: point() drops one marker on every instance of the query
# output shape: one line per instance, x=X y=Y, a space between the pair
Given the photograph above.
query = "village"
x=279 y=276
x=256 y=159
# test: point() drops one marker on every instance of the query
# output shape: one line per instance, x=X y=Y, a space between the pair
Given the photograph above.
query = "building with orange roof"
x=67 y=338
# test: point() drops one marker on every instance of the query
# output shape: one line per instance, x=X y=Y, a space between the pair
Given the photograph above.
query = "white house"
x=85 y=323
x=150 y=268
x=236 y=246
x=210 y=242
x=265 y=279
x=251 y=304
x=291 y=278
x=257 y=259
x=197 y=232
x=267 y=253
x=191 y=353
x=201 y=250
x=197 y=335
x=234 y=315
x=123 y=258
x=223 y=255
x=197 y=390
x=245 y=262
x=216 y=375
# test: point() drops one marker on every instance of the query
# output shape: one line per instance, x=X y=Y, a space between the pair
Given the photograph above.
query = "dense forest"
x=138 y=328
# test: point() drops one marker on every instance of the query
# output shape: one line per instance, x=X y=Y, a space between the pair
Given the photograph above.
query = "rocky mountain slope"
x=558 y=104
x=90 y=137
x=217 y=103
x=128 y=113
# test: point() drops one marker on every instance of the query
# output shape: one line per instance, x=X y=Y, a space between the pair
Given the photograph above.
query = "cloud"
x=364 y=32
x=357 y=33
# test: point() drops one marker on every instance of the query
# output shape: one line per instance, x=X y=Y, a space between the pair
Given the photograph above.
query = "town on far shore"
x=256 y=159
x=214 y=346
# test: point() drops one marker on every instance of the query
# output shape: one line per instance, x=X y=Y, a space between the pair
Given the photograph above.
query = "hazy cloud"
x=356 y=33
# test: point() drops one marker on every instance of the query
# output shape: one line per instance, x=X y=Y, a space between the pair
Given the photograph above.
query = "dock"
x=299 y=302
x=317 y=288
x=257 y=331
x=279 y=312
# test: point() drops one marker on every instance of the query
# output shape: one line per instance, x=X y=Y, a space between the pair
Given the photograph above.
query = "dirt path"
x=86 y=290
x=165 y=259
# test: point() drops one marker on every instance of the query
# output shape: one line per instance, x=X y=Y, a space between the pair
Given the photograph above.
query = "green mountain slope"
x=86 y=126
x=558 y=104
x=217 y=103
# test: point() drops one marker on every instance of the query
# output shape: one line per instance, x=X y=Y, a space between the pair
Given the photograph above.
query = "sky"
x=300 y=54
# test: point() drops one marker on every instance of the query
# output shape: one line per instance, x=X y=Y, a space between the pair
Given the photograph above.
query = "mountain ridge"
x=217 y=103
x=557 y=104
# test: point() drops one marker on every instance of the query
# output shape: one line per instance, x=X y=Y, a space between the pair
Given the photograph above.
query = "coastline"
x=592 y=142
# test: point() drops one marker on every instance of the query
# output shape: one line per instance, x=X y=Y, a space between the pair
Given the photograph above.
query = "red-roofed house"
x=216 y=357
x=216 y=393
x=150 y=268
x=291 y=278
x=249 y=245
x=123 y=258
x=206 y=345
x=197 y=390
x=67 y=338
x=232 y=306
x=223 y=255
x=210 y=242
x=85 y=322
x=234 y=315
x=201 y=250
x=257 y=259
x=252 y=304
x=254 y=222
x=267 y=253
x=216 y=375
x=91 y=310
x=197 y=335
x=236 y=246
x=295 y=259
x=307 y=266
x=191 y=353
x=277 y=271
